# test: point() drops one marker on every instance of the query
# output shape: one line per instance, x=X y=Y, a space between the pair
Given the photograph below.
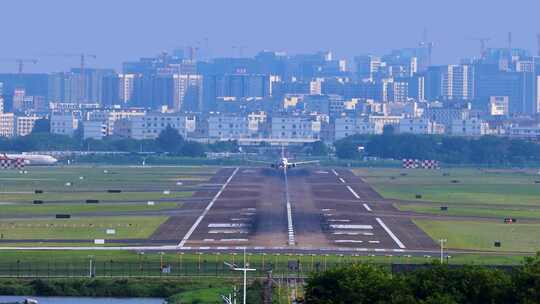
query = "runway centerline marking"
x=335 y=172
x=206 y=210
x=390 y=233
x=342 y=180
x=353 y=192
x=367 y=207
x=290 y=226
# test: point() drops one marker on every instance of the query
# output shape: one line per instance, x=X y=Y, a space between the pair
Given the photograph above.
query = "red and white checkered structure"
x=11 y=163
x=409 y=163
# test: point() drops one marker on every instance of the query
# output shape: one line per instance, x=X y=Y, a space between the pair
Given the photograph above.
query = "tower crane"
x=483 y=42
x=21 y=63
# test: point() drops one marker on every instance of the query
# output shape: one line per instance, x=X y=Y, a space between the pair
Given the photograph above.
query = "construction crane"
x=483 y=42
x=20 y=63
x=82 y=81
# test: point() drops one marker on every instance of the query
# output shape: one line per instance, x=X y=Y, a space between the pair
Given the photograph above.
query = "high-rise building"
x=457 y=82
x=367 y=66
x=188 y=92
x=520 y=87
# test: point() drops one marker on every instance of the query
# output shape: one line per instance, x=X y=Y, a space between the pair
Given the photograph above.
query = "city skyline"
x=349 y=29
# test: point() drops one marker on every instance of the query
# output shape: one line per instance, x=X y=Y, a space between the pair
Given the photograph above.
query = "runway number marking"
x=201 y=217
x=390 y=233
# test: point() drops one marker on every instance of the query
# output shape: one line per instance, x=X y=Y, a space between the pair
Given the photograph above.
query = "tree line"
x=169 y=141
x=489 y=150
x=433 y=284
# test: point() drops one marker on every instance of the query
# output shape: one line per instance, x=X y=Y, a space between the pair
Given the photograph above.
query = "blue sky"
x=118 y=30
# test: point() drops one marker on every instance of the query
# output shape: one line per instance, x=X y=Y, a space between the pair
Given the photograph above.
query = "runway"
x=324 y=210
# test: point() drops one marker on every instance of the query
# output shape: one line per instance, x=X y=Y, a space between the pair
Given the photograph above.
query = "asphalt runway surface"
x=329 y=210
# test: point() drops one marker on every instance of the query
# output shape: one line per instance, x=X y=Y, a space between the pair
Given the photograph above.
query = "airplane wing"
x=305 y=162
x=259 y=162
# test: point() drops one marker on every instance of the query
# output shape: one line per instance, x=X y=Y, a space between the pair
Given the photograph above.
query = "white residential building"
x=7 y=122
x=229 y=127
x=150 y=125
x=469 y=127
x=347 y=126
x=531 y=132
x=109 y=117
x=25 y=124
x=296 y=127
x=420 y=126
x=64 y=123
x=94 y=129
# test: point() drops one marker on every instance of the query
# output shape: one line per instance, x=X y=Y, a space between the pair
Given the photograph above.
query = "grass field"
x=95 y=178
x=83 y=228
x=482 y=235
x=257 y=260
x=493 y=193
x=83 y=196
x=480 y=211
x=74 y=209
x=501 y=187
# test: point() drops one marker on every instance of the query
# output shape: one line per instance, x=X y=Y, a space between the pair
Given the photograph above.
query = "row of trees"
x=436 y=284
x=456 y=150
x=169 y=140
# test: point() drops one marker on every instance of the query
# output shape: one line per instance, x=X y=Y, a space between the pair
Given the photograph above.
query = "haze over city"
x=118 y=31
x=362 y=152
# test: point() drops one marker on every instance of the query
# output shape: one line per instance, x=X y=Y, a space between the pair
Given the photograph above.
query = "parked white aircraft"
x=29 y=159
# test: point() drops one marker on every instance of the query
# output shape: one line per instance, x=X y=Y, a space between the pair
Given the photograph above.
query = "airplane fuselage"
x=33 y=159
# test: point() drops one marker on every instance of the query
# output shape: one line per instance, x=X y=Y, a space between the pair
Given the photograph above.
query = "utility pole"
x=442 y=241
x=244 y=269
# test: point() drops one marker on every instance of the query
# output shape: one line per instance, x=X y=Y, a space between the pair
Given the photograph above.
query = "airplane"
x=285 y=164
x=20 y=160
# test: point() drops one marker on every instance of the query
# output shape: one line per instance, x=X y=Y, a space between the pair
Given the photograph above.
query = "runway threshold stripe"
x=390 y=233
x=201 y=217
x=353 y=192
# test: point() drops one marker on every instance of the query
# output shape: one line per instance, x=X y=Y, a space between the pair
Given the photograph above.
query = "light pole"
x=245 y=269
x=442 y=241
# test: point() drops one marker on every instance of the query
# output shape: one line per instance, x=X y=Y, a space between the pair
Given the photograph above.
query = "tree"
x=389 y=130
x=319 y=148
x=42 y=125
x=359 y=283
x=526 y=281
x=170 y=140
x=193 y=149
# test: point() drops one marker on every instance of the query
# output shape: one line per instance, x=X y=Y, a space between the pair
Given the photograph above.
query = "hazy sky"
x=119 y=30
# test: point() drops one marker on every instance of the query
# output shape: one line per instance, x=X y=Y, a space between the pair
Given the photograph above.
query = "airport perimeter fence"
x=204 y=266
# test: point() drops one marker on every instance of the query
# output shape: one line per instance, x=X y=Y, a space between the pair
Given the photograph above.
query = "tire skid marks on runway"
x=206 y=210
